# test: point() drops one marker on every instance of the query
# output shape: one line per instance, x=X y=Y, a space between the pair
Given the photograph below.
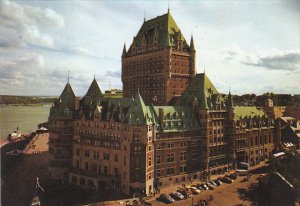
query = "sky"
x=247 y=46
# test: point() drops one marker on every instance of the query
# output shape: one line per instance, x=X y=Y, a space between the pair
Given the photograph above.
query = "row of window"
x=171 y=171
x=170 y=157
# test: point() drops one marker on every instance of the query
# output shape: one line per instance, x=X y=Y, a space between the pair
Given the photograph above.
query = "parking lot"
x=239 y=192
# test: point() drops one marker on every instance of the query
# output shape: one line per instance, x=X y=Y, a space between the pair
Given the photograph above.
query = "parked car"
x=195 y=190
x=166 y=198
x=233 y=176
x=204 y=186
x=185 y=193
x=200 y=187
x=226 y=180
x=218 y=182
x=177 y=196
x=210 y=186
x=213 y=183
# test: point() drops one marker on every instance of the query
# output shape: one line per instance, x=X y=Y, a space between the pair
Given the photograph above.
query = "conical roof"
x=67 y=93
x=94 y=90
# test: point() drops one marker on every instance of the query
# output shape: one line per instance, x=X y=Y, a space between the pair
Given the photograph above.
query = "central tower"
x=159 y=62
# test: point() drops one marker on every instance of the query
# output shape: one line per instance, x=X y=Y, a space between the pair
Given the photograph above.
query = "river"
x=25 y=117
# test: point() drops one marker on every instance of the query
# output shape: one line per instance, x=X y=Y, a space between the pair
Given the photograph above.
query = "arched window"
x=149 y=161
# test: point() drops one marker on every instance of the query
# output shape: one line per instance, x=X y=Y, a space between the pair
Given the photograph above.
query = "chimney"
x=160 y=116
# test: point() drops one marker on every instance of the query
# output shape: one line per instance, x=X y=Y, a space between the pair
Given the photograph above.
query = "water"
x=26 y=117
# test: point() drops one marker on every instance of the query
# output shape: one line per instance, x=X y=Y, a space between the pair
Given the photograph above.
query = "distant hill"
x=25 y=100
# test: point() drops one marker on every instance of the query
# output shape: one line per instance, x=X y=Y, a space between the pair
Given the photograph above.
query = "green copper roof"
x=139 y=113
x=164 y=28
x=202 y=89
x=175 y=119
x=242 y=112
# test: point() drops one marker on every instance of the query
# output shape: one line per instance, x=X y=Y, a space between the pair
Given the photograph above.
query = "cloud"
x=289 y=60
x=24 y=25
x=271 y=59
x=26 y=66
x=114 y=74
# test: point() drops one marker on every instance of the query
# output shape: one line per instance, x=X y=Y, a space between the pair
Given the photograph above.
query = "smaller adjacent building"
x=289 y=134
x=254 y=135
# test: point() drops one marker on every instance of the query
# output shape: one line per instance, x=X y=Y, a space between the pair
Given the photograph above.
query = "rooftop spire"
x=68 y=77
x=192 y=44
x=229 y=102
x=124 y=50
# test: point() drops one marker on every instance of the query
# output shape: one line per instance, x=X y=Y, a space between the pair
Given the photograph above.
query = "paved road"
x=225 y=195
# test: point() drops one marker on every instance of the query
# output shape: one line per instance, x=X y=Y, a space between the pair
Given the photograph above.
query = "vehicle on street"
x=204 y=186
x=233 y=176
x=185 y=193
x=226 y=180
x=166 y=198
x=195 y=190
x=210 y=186
x=200 y=187
x=177 y=196
x=213 y=183
x=218 y=182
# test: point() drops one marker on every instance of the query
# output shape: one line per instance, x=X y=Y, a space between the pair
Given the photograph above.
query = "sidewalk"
x=38 y=144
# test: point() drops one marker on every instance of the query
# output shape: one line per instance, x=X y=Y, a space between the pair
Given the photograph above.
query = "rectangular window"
x=182 y=156
x=170 y=171
x=86 y=153
x=124 y=161
x=105 y=170
x=78 y=152
x=116 y=158
x=183 y=169
x=105 y=156
x=158 y=172
x=170 y=145
x=170 y=157
x=158 y=159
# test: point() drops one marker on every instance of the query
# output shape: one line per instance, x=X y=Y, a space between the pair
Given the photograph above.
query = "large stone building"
x=159 y=62
x=172 y=125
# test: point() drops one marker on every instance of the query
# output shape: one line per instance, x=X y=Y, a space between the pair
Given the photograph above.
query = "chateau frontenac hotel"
x=172 y=125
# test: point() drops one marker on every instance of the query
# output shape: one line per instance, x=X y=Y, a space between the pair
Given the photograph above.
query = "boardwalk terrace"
x=135 y=143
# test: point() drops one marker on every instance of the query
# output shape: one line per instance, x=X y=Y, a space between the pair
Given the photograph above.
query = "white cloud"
x=23 y=25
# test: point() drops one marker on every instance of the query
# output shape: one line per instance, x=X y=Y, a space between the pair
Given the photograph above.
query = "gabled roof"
x=139 y=113
x=203 y=89
x=242 y=112
x=94 y=90
x=164 y=28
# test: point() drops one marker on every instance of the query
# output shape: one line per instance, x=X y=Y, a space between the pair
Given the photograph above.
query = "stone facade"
x=136 y=143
